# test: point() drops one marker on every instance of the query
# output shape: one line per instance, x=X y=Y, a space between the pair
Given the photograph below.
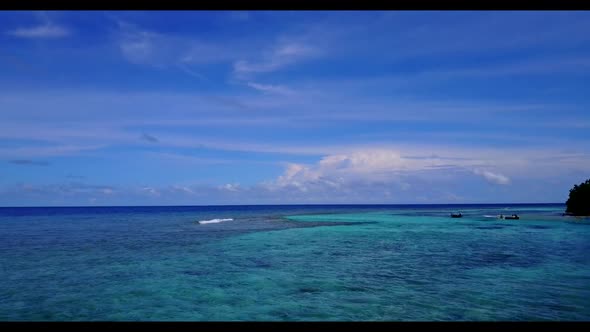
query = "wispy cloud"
x=140 y=46
x=183 y=67
x=46 y=151
x=182 y=189
x=47 y=30
x=69 y=188
x=28 y=162
x=493 y=177
x=115 y=123
x=267 y=88
x=146 y=47
x=151 y=191
x=183 y=159
x=232 y=187
x=283 y=54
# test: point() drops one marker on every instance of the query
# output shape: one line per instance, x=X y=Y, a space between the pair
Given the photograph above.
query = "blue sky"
x=281 y=107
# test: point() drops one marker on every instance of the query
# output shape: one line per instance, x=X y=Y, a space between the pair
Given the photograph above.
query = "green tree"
x=578 y=204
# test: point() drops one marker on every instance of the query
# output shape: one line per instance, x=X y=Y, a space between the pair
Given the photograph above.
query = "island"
x=578 y=203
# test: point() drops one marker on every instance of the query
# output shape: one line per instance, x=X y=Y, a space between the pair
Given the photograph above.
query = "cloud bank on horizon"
x=226 y=107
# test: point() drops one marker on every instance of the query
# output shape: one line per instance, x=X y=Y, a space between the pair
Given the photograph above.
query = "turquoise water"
x=294 y=263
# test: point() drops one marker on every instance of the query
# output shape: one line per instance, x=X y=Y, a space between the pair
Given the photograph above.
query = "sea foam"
x=214 y=221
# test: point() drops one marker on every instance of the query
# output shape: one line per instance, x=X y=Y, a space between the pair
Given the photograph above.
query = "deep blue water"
x=306 y=262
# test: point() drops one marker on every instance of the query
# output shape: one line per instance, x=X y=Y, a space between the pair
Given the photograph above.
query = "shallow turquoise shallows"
x=269 y=263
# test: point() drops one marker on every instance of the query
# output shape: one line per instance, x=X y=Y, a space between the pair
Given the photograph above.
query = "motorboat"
x=512 y=217
x=456 y=215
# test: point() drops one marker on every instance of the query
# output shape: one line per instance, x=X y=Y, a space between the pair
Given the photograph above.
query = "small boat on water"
x=512 y=217
x=456 y=215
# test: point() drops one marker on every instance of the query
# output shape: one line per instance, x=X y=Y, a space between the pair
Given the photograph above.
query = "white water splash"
x=214 y=221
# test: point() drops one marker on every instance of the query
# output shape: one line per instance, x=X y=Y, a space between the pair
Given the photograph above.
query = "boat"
x=512 y=217
x=456 y=215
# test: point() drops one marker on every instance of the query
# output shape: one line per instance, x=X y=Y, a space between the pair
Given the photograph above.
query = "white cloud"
x=385 y=167
x=276 y=89
x=493 y=177
x=230 y=187
x=366 y=166
x=47 y=30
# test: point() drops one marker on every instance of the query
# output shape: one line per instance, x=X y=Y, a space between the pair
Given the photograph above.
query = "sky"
x=292 y=107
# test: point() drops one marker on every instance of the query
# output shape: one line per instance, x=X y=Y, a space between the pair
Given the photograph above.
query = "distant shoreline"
x=569 y=214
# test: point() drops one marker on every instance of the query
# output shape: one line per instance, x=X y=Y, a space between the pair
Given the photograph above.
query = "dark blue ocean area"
x=294 y=263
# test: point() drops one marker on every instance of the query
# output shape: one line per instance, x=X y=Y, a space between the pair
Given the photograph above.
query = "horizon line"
x=232 y=205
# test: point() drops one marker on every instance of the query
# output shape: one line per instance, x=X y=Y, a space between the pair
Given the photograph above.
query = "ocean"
x=294 y=263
